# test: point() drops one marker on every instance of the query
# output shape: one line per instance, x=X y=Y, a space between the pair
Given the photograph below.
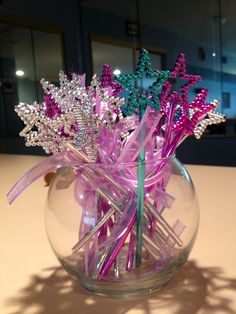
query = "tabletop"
x=33 y=282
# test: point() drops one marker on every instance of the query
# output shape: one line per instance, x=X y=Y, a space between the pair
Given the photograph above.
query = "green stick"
x=140 y=201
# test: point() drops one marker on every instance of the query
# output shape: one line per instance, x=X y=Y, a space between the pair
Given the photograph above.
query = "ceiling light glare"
x=117 y=72
x=20 y=72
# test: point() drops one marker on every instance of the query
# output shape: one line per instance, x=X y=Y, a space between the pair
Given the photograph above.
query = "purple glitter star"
x=200 y=109
x=179 y=68
x=107 y=81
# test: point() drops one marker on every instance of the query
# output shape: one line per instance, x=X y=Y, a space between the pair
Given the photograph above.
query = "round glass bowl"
x=91 y=221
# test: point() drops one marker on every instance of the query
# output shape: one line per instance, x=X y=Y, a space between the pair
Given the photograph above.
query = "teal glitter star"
x=138 y=99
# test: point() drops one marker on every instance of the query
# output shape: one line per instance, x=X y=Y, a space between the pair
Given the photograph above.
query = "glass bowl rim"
x=147 y=162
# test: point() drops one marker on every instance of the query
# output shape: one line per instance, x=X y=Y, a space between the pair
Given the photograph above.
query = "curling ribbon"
x=148 y=124
x=66 y=158
x=108 y=154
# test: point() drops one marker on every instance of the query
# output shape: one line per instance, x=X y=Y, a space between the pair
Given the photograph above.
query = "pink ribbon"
x=110 y=145
x=50 y=164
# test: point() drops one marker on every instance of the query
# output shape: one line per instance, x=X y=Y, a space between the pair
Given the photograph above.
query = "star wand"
x=138 y=101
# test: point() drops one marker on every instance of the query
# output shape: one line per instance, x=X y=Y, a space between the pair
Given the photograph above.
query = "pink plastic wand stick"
x=170 y=117
x=117 y=245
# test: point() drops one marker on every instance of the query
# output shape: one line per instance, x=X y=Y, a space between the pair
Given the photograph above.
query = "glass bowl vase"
x=91 y=223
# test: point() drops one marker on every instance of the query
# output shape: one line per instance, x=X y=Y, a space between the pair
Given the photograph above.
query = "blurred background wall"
x=38 y=38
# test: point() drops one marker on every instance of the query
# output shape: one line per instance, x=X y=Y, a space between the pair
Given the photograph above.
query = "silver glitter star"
x=68 y=92
x=40 y=130
x=212 y=117
x=53 y=124
x=70 y=113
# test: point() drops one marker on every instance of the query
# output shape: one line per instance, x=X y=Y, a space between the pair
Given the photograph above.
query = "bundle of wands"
x=132 y=140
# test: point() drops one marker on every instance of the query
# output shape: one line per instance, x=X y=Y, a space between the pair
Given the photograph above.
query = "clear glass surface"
x=80 y=197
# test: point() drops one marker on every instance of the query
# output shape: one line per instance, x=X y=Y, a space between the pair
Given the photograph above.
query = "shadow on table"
x=192 y=289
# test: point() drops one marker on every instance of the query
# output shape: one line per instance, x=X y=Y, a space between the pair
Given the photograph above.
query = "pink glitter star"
x=107 y=81
x=199 y=109
x=179 y=69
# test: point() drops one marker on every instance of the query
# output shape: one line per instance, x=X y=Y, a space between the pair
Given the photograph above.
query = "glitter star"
x=66 y=94
x=73 y=96
x=138 y=99
x=187 y=115
x=198 y=109
x=107 y=81
x=40 y=130
x=212 y=117
x=68 y=114
x=179 y=69
x=58 y=120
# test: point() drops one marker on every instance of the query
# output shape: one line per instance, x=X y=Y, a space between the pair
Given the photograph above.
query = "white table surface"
x=32 y=281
